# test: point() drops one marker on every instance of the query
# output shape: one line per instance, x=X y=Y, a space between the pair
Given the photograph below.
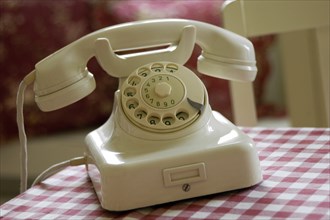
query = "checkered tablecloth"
x=296 y=171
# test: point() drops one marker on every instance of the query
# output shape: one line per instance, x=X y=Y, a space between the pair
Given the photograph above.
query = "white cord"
x=28 y=79
x=57 y=167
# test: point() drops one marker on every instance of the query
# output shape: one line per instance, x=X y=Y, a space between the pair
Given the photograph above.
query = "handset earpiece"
x=226 y=68
x=62 y=79
x=225 y=54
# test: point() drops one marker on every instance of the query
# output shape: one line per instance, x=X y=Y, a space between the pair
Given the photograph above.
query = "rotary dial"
x=162 y=97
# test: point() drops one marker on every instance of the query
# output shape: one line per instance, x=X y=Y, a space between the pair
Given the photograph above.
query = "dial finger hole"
x=182 y=116
x=129 y=92
x=134 y=80
x=153 y=120
x=132 y=104
x=140 y=114
x=168 y=121
x=172 y=68
x=144 y=72
x=157 y=67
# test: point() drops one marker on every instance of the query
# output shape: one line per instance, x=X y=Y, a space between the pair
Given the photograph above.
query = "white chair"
x=302 y=29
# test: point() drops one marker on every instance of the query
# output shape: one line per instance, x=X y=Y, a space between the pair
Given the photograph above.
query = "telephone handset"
x=225 y=55
x=162 y=141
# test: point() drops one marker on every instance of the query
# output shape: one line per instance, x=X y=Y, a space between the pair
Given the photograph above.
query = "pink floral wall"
x=31 y=30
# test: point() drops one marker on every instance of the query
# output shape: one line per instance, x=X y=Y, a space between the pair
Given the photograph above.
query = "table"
x=295 y=163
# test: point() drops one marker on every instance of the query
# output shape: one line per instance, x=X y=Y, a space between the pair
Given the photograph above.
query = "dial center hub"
x=163 y=89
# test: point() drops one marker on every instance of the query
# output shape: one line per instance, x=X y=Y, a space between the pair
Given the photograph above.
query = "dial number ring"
x=158 y=100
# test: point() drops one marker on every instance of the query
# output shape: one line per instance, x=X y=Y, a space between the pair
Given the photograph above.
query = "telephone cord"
x=29 y=79
x=57 y=167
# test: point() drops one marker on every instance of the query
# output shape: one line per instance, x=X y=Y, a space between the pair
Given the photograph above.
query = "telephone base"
x=215 y=159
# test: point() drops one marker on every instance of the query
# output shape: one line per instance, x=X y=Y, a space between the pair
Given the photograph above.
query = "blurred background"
x=32 y=30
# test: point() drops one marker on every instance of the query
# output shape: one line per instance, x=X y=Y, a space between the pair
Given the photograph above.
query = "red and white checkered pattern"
x=296 y=173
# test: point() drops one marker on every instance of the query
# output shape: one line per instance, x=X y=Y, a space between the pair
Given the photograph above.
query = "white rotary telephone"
x=162 y=142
